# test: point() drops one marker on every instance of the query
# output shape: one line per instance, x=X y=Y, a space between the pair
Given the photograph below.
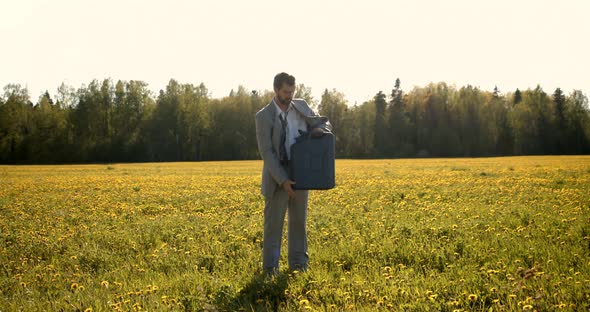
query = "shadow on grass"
x=262 y=293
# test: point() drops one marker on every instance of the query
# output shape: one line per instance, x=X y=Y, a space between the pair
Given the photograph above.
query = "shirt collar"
x=278 y=108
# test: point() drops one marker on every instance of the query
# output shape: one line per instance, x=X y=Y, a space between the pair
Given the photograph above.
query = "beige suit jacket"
x=268 y=135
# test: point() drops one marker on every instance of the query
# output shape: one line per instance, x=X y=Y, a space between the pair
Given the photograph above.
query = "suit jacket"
x=268 y=135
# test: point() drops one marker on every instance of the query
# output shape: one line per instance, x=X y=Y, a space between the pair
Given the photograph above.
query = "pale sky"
x=356 y=47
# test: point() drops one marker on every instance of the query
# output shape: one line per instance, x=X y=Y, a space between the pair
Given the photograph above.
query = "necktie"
x=282 y=149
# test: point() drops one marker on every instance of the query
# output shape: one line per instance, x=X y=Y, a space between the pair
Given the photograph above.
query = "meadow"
x=484 y=234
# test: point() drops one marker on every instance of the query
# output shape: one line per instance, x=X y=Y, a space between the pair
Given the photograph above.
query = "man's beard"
x=284 y=101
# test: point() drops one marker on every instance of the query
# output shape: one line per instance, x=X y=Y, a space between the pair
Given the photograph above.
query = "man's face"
x=285 y=94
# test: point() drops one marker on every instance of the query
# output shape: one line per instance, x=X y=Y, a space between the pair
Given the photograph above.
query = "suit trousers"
x=274 y=216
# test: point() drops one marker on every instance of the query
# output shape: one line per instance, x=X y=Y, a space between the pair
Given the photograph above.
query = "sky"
x=356 y=47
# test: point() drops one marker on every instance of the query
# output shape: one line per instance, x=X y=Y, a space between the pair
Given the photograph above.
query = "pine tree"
x=517 y=97
x=380 y=124
x=559 y=105
x=398 y=124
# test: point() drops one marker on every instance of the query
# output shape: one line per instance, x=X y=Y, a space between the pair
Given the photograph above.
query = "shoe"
x=299 y=267
x=270 y=272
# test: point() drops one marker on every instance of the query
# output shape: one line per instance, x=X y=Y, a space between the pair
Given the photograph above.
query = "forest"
x=123 y=121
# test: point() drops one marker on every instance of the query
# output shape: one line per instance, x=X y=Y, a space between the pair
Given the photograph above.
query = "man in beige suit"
x=277 y=126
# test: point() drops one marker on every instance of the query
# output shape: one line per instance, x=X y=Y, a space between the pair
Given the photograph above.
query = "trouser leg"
x=298 y=257
x=274 y=216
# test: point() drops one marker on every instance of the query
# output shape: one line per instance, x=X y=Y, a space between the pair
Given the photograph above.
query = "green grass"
x=487 y=234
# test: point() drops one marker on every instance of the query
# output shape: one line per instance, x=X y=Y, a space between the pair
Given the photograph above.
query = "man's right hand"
x=287 y=186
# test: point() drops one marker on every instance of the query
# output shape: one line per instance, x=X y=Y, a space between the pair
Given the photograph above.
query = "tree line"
x=123 y=121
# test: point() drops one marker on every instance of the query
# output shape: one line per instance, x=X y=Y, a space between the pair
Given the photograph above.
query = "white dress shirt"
x=295 y=122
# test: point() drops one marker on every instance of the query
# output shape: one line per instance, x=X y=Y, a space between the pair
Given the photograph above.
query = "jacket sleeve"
x=269 y=156
x=313 y=119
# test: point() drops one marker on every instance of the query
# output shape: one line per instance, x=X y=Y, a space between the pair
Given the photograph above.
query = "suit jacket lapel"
x=275 y=135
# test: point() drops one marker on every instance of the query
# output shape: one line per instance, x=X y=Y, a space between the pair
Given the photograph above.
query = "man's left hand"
x=317 y=132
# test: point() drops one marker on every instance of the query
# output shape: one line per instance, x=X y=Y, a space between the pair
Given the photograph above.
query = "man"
x=277 y=126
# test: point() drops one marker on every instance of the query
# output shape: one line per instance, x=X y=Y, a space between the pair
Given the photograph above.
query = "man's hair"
x=283 y=78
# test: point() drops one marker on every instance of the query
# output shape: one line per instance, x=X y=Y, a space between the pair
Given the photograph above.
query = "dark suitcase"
x=312 y=164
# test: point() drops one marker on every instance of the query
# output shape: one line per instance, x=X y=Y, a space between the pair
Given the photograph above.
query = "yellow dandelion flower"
x=527 y=307
x=304 y=302
x=88 y=310
x=472 y=297
x=74 y=286
x=104 y=284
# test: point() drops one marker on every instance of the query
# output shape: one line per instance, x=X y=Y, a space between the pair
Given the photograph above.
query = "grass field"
x=489 y=234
